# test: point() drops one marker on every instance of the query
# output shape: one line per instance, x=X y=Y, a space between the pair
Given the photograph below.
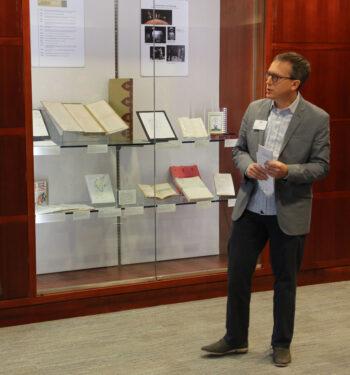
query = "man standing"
x=297 y=134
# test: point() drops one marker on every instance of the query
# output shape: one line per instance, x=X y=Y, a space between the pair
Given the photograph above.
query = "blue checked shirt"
x=276 y=128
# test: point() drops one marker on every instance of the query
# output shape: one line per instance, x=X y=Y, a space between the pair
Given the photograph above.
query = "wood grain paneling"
x=236 y=52
x=329 y=238
x=236 y=84
x=319 y=30
x=311 y=21
x=339 y=176
x=149 y=294
x=10 y=18
x=14 y=267
x=11 y=87
x=13 y=181
x=325 y=87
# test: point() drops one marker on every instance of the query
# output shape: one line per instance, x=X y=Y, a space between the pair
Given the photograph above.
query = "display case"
x=157 y=64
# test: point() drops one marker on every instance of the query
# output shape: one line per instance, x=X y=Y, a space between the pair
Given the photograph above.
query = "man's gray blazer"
x=305 y=150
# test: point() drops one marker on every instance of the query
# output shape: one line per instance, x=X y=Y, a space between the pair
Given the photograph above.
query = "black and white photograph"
x=171 y=33
x=156 y=17
x=175 y=53
x=166 y=27
x=157 y=53
x=155 y=34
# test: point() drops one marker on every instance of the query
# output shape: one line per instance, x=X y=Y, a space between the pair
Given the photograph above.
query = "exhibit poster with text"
x=57 y=33
x=164 y=37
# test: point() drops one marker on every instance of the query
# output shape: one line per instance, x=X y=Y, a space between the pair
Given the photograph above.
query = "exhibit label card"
x=57 y=33
x=164 y=37
x=39 y=127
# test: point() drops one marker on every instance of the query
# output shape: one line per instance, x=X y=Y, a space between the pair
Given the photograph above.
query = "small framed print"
x=156 y=126
x=216 y=122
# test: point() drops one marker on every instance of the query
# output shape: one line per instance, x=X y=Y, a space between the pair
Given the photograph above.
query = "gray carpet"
x=165 y=340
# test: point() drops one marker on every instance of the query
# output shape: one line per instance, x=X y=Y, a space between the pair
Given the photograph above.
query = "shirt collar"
x=291 y=108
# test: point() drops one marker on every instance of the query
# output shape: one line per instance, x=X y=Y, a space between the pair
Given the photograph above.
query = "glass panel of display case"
x=94 y=226
x=133 y=138
x=192 y=228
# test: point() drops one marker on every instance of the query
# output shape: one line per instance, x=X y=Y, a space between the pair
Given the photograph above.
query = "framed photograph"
x=216 y=122
x=156 y=126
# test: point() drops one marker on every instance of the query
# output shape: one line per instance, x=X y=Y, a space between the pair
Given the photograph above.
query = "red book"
x=184 y=171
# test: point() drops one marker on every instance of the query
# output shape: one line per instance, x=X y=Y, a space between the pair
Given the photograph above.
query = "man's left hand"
x=276 y=169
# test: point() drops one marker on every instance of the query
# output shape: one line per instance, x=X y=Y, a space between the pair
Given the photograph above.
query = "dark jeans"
x=248 y=238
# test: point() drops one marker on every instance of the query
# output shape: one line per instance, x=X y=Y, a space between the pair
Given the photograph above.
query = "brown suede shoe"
x=221 y=347
x=281 y=357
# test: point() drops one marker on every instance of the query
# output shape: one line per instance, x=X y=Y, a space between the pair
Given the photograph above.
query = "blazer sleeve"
x=317 y=166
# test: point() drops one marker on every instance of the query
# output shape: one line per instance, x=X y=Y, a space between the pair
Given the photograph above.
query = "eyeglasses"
x=275 y=77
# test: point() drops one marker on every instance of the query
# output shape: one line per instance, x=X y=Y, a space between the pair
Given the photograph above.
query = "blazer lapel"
x=294 y=123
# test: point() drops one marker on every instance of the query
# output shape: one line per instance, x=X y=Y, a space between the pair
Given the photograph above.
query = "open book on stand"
x=183 y=171
x=98 y=117
x=159 y=191
x=194 y=188
x=192 y=127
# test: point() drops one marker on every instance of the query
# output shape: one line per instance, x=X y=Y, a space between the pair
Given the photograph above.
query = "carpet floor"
x=166 y=340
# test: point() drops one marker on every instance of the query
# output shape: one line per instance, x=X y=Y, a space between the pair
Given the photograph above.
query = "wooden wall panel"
x=329 y=239
x=311 y=21
x=339 y=176
x=17 y=236
x=322 y=35
x=325 y=87
x=10 y=18
x=13 y=184
x=236 y=51
x=14 y=264
x=11 y=87
x=236 y=85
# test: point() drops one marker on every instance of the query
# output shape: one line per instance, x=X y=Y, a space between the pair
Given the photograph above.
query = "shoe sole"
x=282 y=364
x=237 y=351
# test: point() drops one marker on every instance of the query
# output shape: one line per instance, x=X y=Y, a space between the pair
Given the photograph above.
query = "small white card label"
x=166 y=208
x=204 y=204
x=97 y=149
x=50 y=218
x=47 y=150
x=260 y=125
x=127 y=197
x=202 y=143
x=167 y=145
x=81 y=215
x=231 y=203
x=231 y=142
x=109 y=212
x=130 y=211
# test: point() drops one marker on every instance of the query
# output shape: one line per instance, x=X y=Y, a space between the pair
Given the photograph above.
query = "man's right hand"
x=256 y=171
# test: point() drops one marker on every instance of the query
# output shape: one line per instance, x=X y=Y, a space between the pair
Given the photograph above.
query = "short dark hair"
x=300 y=66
